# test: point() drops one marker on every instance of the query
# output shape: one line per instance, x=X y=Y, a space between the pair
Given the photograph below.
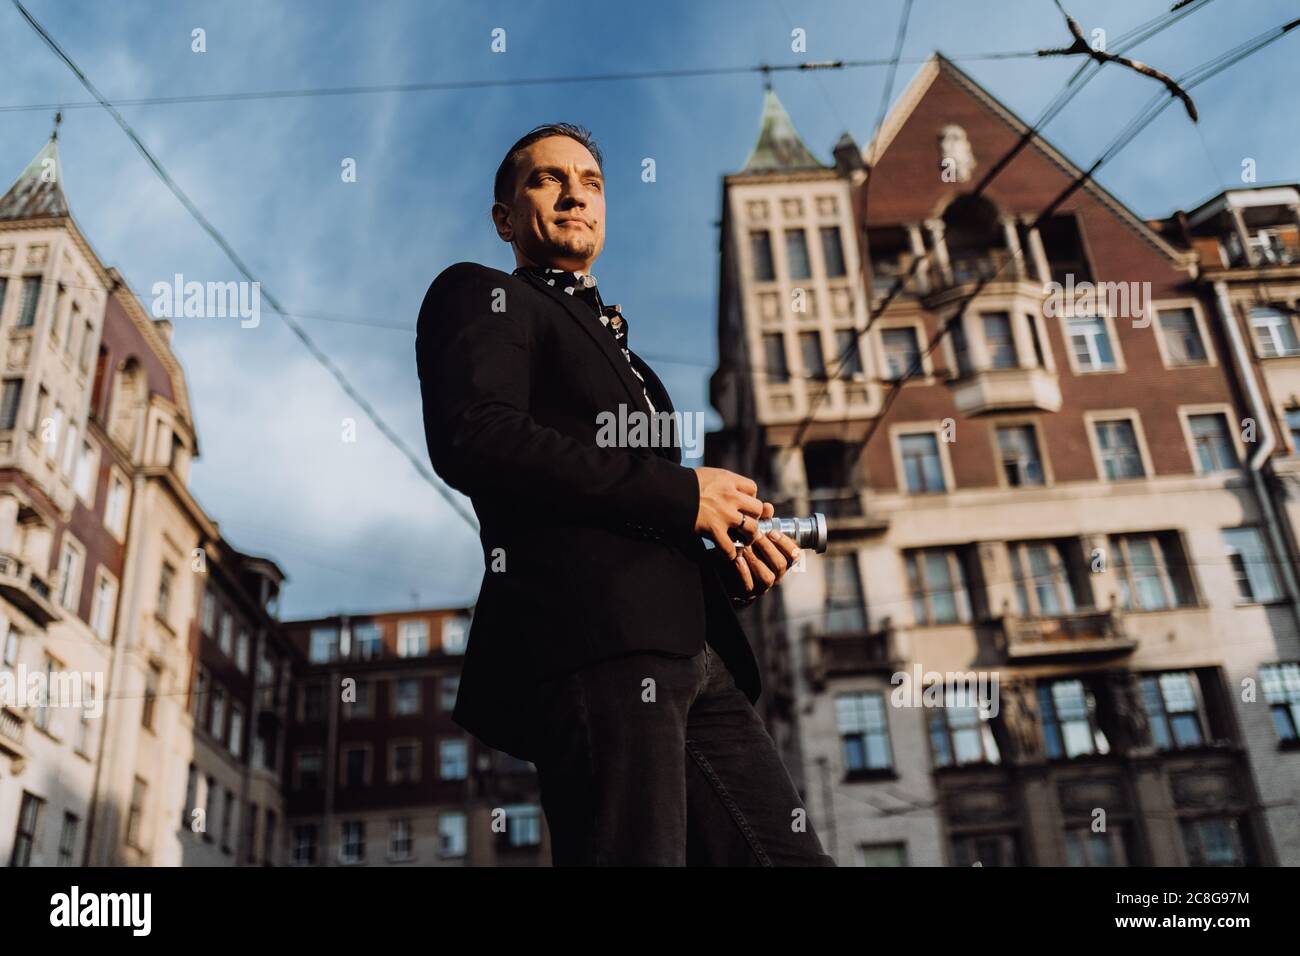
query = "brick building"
x=1066 y=523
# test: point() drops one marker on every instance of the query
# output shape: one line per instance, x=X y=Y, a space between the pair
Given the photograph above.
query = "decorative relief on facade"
x=37 y=253
x=955 y=153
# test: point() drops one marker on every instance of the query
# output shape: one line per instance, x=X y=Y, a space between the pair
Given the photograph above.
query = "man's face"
x=556 y=214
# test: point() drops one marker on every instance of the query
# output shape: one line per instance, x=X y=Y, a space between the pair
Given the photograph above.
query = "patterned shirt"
x=582 y=286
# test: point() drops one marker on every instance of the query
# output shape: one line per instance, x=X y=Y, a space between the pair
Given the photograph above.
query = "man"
x=604 y=647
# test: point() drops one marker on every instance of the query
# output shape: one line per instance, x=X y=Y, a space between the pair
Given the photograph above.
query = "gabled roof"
x=921 y=83
x=38 y=192
x=779 y=147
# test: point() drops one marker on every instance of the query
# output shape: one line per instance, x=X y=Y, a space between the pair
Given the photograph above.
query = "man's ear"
x=501 y=219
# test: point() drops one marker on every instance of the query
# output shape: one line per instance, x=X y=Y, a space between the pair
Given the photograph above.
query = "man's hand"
x=759 y=567
x=727 y=501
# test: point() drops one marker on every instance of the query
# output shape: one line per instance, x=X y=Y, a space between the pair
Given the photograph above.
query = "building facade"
x=378 y=773
x=1057 y=621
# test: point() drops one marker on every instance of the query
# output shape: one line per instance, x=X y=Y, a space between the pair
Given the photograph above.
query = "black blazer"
x=589 y=552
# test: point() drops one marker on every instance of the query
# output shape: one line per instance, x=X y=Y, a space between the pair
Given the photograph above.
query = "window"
x=51 y=438
x=412 y=638
x=405 y=765
x=4 y=287
x=68 y=839
x=453 y=759
x=1045 y=586
x=1182 y=337
x=864 y=732
x=922 y=469
x=165 y=578
x=1152 y=571
x=1293 y=426
x=31 y=296
x=827 y=468
x=998 y=338
x=451 y=834
x=938 y=586
x=1212 y=443
x=13 y=393
x=71 y=561
x=832 y=251
x=774 y=357
x=961 y=732
x=313 y=702
x=115 y=505
x=1069 y=715
x=70 y=449
x=796 y=254
x=324 y=644
x=367 y=640
x=304 y=844
x=810 y=351
x=236 y=730
x=1018 y=449
x=1117 y=446
x=1173 y=714
x=902 y=353
x=848 y=353
x=29 y=817
x=845 y=604
x=1091 y=344
x=523 y=825
x=1281 y=685
x=399 y=839
x=352 y=849
x=1086 y=847
x=1063 y=247
x=135 y=815
x=152 y=678
x=103 y=605
x=1274 y=332
x=760 y=249
x=882 y=854
x=455 y=635
x=199 y=698
x=960 y=348
x=217 y=724
x=241 y=650
x=87 y=347
x=989 y=849
x=84 y=480
x=355 y=769
x=362 y=705
x=191 y=797
x=308 y=768
x=1213 y=842
x=226 y=633
x=1252 y=566
x=406 y=697
x=449 y=687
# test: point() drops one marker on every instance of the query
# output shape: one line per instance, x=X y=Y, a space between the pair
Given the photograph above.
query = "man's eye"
x=545 y=176
x=595 y=184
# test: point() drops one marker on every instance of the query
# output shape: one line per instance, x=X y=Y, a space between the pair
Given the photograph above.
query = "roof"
x=779 y=147
x=38 y=192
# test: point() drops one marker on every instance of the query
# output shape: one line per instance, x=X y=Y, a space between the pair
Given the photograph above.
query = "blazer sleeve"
x=476 y=367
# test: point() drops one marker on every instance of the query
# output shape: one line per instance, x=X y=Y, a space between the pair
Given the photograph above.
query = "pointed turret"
x=779 y=148
x=38 y=192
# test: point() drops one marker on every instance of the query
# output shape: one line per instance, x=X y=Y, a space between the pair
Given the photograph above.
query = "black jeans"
x=653 y=759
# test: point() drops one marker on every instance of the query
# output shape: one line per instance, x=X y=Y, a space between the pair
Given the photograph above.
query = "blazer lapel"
x=604 y=341
x=664 y=403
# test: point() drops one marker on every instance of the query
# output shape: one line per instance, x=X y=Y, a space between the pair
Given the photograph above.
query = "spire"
x=38 y=193
x=779 y=147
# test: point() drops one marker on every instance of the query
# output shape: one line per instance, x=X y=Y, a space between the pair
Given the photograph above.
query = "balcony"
x=13 y=736
x=846 y=653
x=1065 y=636
x=1006 y=389
x=23 y=587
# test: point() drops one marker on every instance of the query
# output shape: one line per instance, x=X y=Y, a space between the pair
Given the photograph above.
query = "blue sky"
x=352 y=523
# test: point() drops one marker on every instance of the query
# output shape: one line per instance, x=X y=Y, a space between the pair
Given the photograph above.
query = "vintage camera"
x=807 y=532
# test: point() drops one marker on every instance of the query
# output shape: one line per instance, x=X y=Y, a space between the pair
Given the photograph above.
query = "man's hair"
x=505 y=172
